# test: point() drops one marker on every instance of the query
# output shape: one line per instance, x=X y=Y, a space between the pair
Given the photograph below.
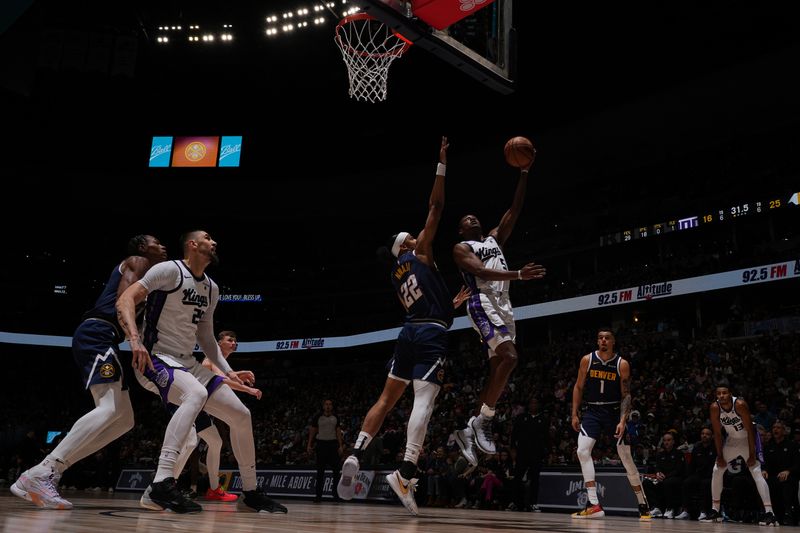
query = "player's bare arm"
x=466 y=259
x=744 y=411
x=625 y=384
x=424 y=249
x=509 y=220
x=625 y=405
x=577 y=391
x=713 y=413
x=126 y=316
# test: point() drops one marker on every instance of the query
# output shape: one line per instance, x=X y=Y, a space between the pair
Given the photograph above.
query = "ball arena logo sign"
x=313 y=343
x=653 y=290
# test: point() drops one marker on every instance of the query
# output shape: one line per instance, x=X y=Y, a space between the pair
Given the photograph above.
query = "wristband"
x=519 y=274
x=440 y=169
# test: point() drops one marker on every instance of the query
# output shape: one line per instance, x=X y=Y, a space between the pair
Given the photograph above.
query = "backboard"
x=483 y=45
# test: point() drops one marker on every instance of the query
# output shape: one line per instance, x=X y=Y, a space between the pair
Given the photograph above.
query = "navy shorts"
x=96 y=351
x=599 y=419
x=420 y=353
x=203 y=420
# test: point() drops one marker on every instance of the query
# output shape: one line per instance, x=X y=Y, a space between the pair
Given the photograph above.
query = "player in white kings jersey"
x=485 y=272
x=179 y=312
x=733 y=414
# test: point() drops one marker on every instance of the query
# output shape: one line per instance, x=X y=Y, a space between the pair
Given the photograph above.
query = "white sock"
x=363 y=440
x=166 y=465
x=592 y=491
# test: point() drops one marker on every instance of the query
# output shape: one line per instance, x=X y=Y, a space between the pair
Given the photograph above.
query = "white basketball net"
x=368 y=47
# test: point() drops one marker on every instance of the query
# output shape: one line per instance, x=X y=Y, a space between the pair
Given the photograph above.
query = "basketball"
x=519 y=152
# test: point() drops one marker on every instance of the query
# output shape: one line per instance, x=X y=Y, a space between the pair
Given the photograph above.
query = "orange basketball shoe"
x=591 y=511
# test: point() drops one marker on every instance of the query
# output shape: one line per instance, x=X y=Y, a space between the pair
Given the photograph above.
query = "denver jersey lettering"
x=603 y=381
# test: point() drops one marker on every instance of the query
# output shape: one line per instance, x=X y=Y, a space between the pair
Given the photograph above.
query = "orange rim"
x=366 y=16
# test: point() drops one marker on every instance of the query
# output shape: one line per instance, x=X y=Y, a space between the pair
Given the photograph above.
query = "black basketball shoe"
x=261 y=503
x=166 y=494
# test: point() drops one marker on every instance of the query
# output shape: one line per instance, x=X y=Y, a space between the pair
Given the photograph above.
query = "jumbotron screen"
x=195 y=151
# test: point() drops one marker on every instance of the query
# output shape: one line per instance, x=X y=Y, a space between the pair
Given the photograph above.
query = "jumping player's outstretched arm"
x=744 y=411
x=577 y=391
x=424 y=249
x=466 y=260
x=716 y=426
x=503 y=230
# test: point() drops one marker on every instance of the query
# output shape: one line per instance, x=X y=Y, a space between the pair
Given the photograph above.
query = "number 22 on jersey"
x=410 y=291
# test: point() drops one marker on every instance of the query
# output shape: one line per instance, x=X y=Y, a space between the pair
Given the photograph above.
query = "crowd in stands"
x=672 y=382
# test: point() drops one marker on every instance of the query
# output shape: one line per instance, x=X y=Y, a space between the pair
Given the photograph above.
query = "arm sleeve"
x=205 y=334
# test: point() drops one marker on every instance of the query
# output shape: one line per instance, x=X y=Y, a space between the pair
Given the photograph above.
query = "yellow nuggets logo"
x=440 y=375
x=107 y=370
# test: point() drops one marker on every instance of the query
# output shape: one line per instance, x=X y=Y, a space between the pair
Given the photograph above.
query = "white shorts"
x=159 y=381
x=731 y=449
x=493 y=318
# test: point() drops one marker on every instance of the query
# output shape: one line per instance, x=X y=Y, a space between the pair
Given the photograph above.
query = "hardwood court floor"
x=121 y=513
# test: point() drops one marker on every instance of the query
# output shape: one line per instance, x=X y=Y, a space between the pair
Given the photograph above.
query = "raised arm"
x=503 y=230
x=424 y=249
x=577 y=391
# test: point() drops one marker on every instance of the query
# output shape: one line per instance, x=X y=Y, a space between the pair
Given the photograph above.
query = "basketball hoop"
x=368 y=47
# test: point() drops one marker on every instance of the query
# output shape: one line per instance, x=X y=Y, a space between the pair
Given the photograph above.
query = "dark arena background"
x=663 y=202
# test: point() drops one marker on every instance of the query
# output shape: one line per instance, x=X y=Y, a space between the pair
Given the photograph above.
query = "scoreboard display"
x=694 y=221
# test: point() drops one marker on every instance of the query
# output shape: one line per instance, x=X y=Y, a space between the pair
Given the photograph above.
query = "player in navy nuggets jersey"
x=741 y=440
x=181 y=299
x=420 y=350
x=95 y=347
x=605 y=378
x=485 y=272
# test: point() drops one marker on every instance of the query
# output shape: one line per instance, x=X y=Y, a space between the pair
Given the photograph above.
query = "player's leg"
x=213 y=440
x=494 y=320
x=111 y=418
x=401 y=372
x=717 y=476
x=501 y=364
x=624 y=452
x=176 y=385
x=591 y=427
x=392 y=391
x=225 y=405
x=404 y=479
x=186 y=452
x=763 y=491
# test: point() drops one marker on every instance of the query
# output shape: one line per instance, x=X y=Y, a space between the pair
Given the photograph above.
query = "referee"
x=328 y=435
